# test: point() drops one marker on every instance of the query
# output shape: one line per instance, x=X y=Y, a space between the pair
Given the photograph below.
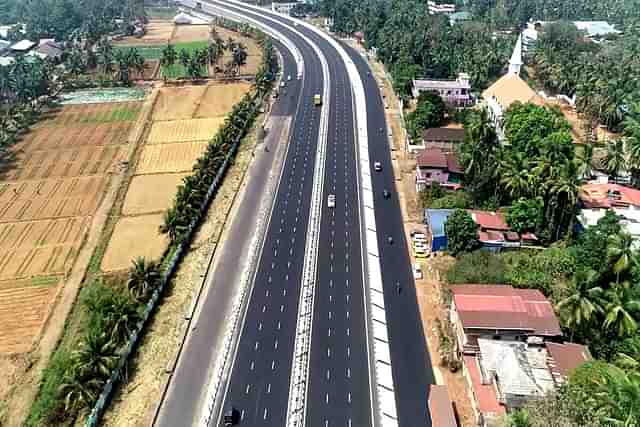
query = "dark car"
x=231 y=417
x=386 y=194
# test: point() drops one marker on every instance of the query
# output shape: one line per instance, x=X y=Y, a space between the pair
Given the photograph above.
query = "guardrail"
x=172 y=266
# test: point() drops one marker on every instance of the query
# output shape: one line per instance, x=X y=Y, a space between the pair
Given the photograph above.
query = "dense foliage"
x=538 y=165
x=414 y=44
x=462 y=232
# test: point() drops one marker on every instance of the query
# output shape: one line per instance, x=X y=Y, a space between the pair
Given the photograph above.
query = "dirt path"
x=19 y=400
x=428 y=289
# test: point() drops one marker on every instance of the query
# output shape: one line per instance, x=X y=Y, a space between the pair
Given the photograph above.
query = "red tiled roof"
x=440 y=407
x=443 y=134
x=566 y=357
x=608 y=195
x=490 y=220
x=452 y=163
x=504 y=307
x=432 y=158
x=485 y=394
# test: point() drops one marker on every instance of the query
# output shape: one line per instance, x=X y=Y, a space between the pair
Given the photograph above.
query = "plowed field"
x=151 y=193
x=50 y=188
x=169 y=158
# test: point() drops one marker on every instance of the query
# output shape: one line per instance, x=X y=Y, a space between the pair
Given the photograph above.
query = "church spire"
x=516 y=57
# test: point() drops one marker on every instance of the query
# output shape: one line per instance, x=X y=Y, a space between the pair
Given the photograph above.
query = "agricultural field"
x=50 y=187
x=184 y=37
x=184 y=119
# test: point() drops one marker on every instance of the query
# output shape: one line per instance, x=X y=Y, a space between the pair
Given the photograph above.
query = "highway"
x=339 y=388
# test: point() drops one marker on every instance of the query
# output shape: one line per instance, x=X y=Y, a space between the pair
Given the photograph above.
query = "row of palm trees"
x=191 y=195
x=114 y=316
x=194 y=61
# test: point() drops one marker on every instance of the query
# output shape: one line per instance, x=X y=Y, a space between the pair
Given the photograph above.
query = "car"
x=231 y=417
x=377 y=166
x=289 y=77
x=386 y=194
x=331 y=201
x=282 y=84
x=417 y=271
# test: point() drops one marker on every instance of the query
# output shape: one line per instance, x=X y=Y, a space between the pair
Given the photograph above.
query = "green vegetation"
x=462 y=232
x=155 y=52
x=413 y=44
x=113 y=308
x=121 y=114
x=430 y=111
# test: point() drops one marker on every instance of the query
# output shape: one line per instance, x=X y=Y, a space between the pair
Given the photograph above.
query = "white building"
x=435 y=8
x=509 y=89
x=456 y=92
x=284 y=8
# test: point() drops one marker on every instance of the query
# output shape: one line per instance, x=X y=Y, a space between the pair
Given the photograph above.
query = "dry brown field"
x=50 y=188
x=151 y=193
x=183 y=130
x=134 y=236
x=170 y=157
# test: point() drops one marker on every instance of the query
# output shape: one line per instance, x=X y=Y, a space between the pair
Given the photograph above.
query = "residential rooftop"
x=502 y=307
x=608 y=196
x=443 y=134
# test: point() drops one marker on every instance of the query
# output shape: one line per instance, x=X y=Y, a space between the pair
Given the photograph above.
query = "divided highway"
x=340 y=376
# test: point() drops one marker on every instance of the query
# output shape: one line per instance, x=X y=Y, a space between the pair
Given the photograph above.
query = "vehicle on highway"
x=386 y=194
x=231 y=417
x=398 y=287
x=377 y=166
x=331 y=201
x=317 y=99
x=282 y=84
x=390 y=240
x=289 y=77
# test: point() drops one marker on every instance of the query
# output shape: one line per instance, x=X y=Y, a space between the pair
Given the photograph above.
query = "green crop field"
x=155 y=52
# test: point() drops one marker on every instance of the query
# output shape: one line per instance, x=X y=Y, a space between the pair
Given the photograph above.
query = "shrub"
x=462 y=232
x=477 y=267
x=455 y=200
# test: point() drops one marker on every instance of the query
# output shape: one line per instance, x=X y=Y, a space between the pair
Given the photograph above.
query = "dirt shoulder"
x=429 y=288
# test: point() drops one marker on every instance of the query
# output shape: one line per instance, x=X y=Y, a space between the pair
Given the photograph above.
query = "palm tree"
x=172 y=225
x=79 y=392
x=239 y=57
x=621 y=309
x=615 y=160
x=136 y=61
x=214 y=53
x=184 y=57
x=231 y=44
x=620 y=253
x=143 y=279
x=516 y=175
x=578 y=309
x=617 y=397
x=96 y=356
x=121 y=316
x=105 y=56
x=584 y=159
x=632 y=141
x=123 y=61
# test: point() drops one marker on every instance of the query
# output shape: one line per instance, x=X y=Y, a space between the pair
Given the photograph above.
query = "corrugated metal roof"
x=435 y=220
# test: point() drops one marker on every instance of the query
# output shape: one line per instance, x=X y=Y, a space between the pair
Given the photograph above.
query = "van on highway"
x=331 y=201
x=317 y=99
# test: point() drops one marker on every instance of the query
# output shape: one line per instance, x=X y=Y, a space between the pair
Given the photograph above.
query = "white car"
x=282 y=84
x=377 y=166
x=417 y=271
x=331 y=201
x=289 y=77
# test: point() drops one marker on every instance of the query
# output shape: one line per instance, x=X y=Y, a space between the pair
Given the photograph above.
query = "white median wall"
x=385 y=392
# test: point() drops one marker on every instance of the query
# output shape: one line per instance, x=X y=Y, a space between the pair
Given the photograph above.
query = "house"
x=441 y=407
x=508 y=89
x=442 y=138
x=506 y=374
x=4 y=46
x=5 y=61
x=50 y=50
x=445 y=8
x=500 y=312
x=439 y=166
x=595 y=199
x=22 y=46
x=454 y=18
x=493 y=232
x=454 y=92
x=284 y=8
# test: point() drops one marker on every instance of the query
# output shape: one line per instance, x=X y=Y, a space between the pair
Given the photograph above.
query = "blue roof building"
x=435 y=219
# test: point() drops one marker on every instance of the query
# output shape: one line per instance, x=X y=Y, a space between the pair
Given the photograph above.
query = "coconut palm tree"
x=122 y=316
x=516 y=175
x=105 y=56
x=620 y=253
x=617 y=397
x=79 y=392
x=173 y=224
x=136 y=61
x=584 y=301
x=622 y=309
x=184 y=57
x=96 y=356
x=123 y=64
x=239 y=57
x=214 y=53
x=615 y=159
x=144 y=278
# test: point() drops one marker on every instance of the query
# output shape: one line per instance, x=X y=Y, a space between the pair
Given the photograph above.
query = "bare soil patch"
x=176 y=103
x=158 y=32
x=190 y=33
x=219 y=99
x=133 y=237
x=151 y=193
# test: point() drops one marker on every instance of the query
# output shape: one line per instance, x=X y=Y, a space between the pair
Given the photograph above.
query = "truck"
x=317 y=99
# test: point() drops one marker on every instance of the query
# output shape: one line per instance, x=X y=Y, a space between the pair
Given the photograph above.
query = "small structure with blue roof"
x=435 y=220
